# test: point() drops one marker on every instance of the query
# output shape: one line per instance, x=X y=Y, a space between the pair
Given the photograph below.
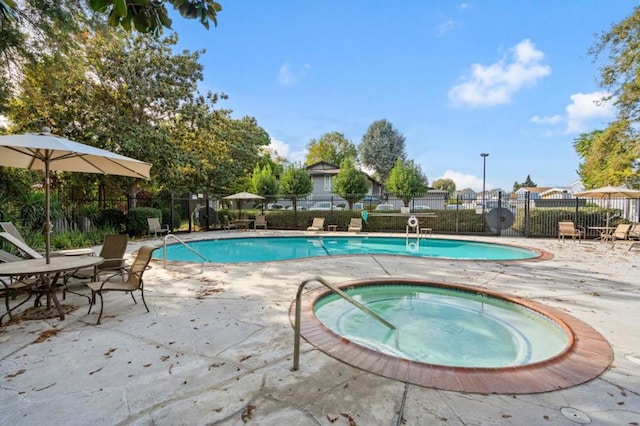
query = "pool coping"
x=586 y=356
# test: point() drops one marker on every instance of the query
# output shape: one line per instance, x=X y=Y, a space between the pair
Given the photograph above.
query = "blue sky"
x=511 y=78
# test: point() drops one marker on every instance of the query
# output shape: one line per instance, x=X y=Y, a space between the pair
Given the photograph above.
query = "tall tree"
x=36 y=27
x=145 y=16
x=263 y=182
x=120 y=94
x=332 y=148
x=619 y=144
x=528 y=183
x=350 y=183
x=406 y=181
x=295 y=183
x=445 y=184
x=608 y=158
x=382 y=145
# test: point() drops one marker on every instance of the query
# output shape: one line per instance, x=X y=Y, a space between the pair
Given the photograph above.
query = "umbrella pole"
x=47 y=211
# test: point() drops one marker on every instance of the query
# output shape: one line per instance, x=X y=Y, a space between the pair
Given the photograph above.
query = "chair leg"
x=143 y=301
x=101 y=307
x=92 y=301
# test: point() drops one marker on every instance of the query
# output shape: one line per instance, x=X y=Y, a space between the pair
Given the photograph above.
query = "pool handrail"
x=342 y=294
x=164 y=249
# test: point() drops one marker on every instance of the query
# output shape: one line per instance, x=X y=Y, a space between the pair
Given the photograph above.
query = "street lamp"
x=484 y=156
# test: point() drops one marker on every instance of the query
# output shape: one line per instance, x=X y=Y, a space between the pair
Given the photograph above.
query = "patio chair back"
x=20 y=245
x=134 y=280
x=568 y=229
x=11 y=229
x=621 y=232
x=155 y=227
x=355 y=224
x=317 y=225
x=113 y=249
x=260 y=222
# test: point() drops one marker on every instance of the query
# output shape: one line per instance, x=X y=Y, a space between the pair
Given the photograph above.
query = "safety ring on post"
x=413 y=221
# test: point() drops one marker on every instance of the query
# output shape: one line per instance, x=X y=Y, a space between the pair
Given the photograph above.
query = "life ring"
x=413 y=221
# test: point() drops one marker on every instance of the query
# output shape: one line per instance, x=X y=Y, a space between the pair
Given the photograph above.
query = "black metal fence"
x=506 y=214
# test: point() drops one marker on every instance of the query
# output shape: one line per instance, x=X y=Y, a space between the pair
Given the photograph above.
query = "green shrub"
x=137 y=224
x=112 y=219
x=69 y=240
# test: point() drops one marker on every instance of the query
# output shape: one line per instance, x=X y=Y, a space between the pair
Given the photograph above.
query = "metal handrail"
x=164 y=250
x=342 y=294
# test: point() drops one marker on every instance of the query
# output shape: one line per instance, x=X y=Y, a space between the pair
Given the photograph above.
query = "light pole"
x=484 y=156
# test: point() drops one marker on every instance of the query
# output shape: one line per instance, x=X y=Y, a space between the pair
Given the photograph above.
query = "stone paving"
x=217 y=348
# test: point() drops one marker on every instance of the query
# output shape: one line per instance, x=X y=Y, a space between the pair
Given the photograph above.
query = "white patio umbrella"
x=45 y=151
x=243 y=196
x=609 y=192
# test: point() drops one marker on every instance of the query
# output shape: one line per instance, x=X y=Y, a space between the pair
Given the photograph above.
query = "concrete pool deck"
x=217 y=347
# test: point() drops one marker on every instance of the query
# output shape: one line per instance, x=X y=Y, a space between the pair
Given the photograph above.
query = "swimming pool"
x=444 y=326
x=267 y=249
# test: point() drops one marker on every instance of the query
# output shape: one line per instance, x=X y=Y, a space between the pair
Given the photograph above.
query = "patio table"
x=243 y=223
x=49 y=273
x=605 y=232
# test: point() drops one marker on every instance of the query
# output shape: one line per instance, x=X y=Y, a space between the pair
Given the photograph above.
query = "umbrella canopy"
x=243 y=196
x=45 y=151
x=609 y=192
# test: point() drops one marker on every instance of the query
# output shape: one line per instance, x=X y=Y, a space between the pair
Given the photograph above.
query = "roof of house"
x=323 y=168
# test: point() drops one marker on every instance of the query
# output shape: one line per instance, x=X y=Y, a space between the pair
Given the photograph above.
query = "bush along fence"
x=504 y=215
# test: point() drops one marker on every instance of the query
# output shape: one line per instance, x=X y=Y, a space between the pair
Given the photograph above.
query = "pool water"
x=444 y=326
x=266 y=249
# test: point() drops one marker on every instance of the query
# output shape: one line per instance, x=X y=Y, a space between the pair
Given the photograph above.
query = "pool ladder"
x=164 y=249
x=342 y=294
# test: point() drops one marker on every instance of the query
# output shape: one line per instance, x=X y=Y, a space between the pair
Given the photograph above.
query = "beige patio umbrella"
x=240 y=197
x=609 y=192
x=45 y=151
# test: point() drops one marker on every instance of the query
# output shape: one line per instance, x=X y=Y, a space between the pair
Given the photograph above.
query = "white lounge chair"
x=355 y=225
x=156 y=228
x=317 y=225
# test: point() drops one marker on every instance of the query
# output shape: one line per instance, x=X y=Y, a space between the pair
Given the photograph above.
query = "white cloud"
x=495 y=84
x=278 y=147
x=547 y=120
x=586 y=107
x=582 y=113
x=283 y=149
x=445 y=27
x=287 y=76
x=463 y=181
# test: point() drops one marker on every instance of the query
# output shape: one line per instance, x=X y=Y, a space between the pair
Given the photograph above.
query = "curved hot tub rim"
x=586 y=356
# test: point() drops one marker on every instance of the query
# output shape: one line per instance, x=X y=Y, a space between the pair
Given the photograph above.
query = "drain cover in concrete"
x=576 y=416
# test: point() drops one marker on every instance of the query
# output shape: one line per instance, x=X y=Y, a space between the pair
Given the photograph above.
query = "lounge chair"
x=134 y=281
x=260 y=222
x=620 y=233
x=113 y=249
x=568 y=229
x=156 y=228
x=11 y=229
x=22 y=247
x=227 y=223
x=355 y=225
x=30 y=253
x=634 y=232
x=317 y=225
